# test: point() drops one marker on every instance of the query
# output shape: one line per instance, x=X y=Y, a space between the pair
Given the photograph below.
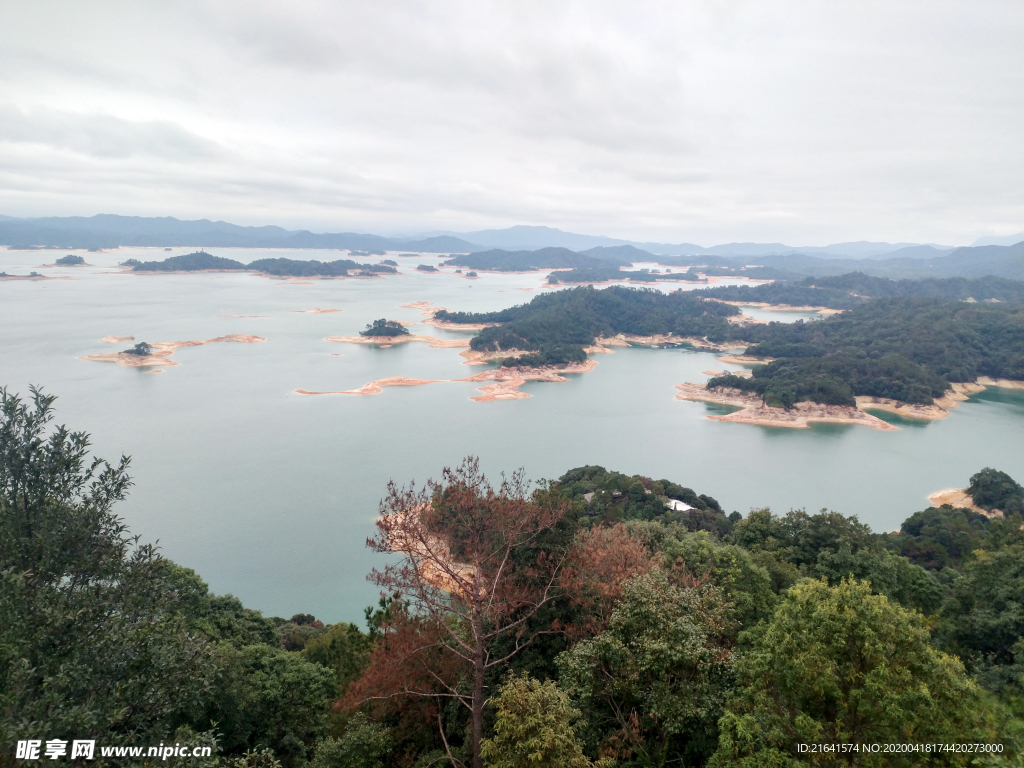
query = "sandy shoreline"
x=505 y=382
x=744 y=360
x=958 y=498
x=315 y=311
x=428 y=311
x=35 y=277
x=824 y=311
x=754 y=411
x=162 y=350
x=390 y=341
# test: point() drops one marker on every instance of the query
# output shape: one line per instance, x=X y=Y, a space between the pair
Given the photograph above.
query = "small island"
x=71 y=260
x=426 y=268
x=385 y=328
x=498 y=260
x=145 y=355
x=142 y=349
x=201 y=261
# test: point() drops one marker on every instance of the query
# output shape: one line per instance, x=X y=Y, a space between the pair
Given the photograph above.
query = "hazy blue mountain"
x=522 y=237
x=1004 y=240
x=540 y=258
x=620 y=253
x=917 y=252
x=110 y=231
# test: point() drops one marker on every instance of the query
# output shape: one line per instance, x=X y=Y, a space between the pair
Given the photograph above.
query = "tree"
x=385 y=328
x=92 y=637
x=992 y=489
x=843 y=665
x=601 y=561
x=474 y=568
x=534 y=728
x=364 y=745
x=653 y=684
x=745 y=585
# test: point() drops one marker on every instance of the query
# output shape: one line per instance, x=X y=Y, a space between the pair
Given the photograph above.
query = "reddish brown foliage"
x=601 y=560
x=472 y=571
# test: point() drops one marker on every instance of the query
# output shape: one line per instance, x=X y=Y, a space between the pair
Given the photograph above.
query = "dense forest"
x=524 y=261
x=557 y=325
x=604 y=274
x=900 y=347
x=200 y=260
x=903 y=348
x=621 y=621
x=856 y=288
x=384 y=327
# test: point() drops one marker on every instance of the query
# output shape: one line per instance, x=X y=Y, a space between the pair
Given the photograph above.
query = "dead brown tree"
x=475 y=565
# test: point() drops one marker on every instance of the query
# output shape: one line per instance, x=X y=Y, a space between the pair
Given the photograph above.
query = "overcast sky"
x=707 y=122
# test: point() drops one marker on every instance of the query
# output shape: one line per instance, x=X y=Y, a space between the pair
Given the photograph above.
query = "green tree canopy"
x=842 y=665
x=653 y=684
x=534 y=728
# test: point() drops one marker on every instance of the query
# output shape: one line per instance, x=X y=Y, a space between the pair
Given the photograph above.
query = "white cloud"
x=704 y=121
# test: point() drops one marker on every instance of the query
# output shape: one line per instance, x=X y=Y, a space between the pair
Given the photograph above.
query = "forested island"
x=906 y=349
x=898 y=347
x=71 y=260
x=555 y=327
x=854 y=289
x=201 y=260
x=600 y=619
x=386 y=328
x=544 y=258
x=607 y=274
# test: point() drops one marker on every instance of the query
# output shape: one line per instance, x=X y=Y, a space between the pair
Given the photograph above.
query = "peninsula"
x=913 y=356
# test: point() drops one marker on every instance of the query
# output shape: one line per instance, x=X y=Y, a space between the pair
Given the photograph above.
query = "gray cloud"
x=102 y=135
x=704 y=121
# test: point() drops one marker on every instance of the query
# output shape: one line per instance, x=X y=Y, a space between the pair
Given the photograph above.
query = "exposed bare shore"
x=162 y=350
x=960 y=499
x=705 y=280
x=754 y=411
x=663 y=340
x=315 y=311
x=390 y=341
x=34 y=277
x=782 y=307
x=505 y=382
x=428 y=311
x=744 y=360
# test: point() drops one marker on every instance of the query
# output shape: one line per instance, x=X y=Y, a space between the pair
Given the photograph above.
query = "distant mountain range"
x=110 y=231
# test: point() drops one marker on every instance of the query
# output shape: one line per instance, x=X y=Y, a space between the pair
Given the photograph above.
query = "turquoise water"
x=270 y=495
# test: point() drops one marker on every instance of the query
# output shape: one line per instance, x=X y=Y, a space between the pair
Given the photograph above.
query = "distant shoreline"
x=754 y=411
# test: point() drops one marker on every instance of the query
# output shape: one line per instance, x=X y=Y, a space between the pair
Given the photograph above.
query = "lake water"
x=270 y=495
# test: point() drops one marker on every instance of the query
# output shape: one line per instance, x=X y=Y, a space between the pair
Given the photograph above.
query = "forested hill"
x=728 y=640
x=558 y=325
x=545 y=258
x=900 y=347
x=903 y=348
x=853 y=289
x=201 y=260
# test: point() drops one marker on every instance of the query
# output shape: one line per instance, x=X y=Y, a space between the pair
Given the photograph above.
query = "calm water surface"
x=270 y=495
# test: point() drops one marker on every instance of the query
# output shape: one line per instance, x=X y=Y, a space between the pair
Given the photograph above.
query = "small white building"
x=678 y=506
